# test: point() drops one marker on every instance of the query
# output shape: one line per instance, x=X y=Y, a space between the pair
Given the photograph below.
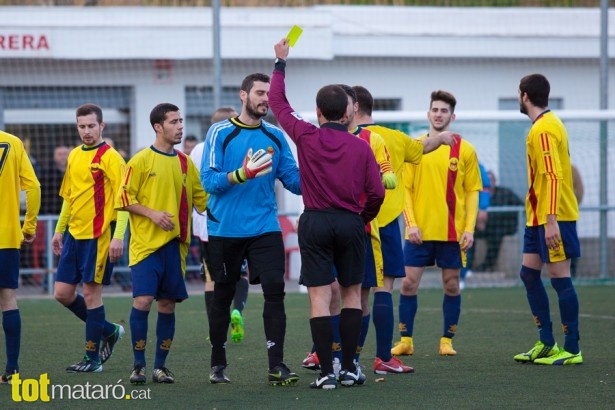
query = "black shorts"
x=264 y=253
x=331 y=238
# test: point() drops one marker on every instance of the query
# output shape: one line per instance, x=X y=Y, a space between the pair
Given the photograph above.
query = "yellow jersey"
x=436 y=192
x=401 y=149
x=16 y=175
x=163 y=182
x=90 y=183
x=549 y=172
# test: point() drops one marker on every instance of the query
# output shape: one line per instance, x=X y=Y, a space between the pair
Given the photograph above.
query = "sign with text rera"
x=25 y=44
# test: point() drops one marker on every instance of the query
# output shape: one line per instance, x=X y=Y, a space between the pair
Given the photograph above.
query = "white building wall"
x=396 y=52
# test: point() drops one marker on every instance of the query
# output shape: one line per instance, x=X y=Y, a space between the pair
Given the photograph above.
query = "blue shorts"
x=160 y=275
x=447 y=255
x=369 y=280
x=392 y=250
x=85 y=260
x=534 y=242
x=9 y=260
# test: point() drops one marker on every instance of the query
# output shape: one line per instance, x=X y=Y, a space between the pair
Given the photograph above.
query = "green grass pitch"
x=495 y=324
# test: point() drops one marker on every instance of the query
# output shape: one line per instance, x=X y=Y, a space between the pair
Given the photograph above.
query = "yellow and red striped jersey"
x=436 y=192
x=550 y=189
x=91 y=181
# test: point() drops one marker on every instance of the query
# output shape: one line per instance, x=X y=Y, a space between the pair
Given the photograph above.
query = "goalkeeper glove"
x=253 y=166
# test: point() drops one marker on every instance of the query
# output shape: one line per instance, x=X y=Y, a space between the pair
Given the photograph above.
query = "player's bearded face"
x=522 y=107
x=257 y=101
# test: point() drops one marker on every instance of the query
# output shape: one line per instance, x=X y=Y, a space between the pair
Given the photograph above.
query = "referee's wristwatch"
x=279 y=60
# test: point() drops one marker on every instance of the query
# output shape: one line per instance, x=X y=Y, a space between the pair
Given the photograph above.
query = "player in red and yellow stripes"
x=93 y=241
x=551 y=232
x=440 y=213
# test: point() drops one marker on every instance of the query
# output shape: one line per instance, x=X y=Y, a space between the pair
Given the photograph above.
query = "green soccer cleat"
x=108 y=343
x=282 y=376
x=236 y=326
x=561 y=358
x=540 y=350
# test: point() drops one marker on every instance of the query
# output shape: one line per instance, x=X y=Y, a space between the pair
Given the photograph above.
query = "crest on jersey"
x=453 y=164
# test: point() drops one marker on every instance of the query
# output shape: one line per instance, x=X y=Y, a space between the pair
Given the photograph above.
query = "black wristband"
x=280 y=64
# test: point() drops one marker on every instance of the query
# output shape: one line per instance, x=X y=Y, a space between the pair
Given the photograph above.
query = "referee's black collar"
x=335 y=126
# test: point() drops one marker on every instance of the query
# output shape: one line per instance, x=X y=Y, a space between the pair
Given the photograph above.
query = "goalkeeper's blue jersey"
x=249 y=209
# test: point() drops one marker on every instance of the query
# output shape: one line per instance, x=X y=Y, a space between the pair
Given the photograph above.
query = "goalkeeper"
x=242 y=159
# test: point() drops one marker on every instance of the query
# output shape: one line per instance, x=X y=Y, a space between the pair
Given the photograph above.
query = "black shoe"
x=282 y=376
x=108 y=343
x=138 y=374
x=163 y=375
x=7 y=376
x=87 y=365
x=348 y=378
x=326 y=382
x=218 y=375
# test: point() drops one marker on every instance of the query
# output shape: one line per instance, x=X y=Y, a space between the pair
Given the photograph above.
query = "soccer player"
x=16 y=175
x=93 y=241
x=551 y=234
x=440 y=212
x=199 y=224
x=243 y=157
x=402 y=150
x=373 y=276
x=160 y=186
x=342 y=192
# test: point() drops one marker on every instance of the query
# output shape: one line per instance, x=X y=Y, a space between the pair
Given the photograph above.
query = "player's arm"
x=549 y=164
x=57 y=240
x=413 y=232
x=434 y=141
x=467 y=237
x=29 y=183
x=116 y=247
x=374 y=190
x=162 y=219
x=389 y=179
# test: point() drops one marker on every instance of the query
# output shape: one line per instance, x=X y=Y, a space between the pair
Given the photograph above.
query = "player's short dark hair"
x=190 y=138
x=440 y=95
x=89 y=108
x=365 y=100
x=248 y=82
x=332 y=102
x=348 y=90
x=537 y=88
x=159 y=113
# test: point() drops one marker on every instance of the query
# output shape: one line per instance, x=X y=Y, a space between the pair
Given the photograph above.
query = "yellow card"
x=293 y=35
